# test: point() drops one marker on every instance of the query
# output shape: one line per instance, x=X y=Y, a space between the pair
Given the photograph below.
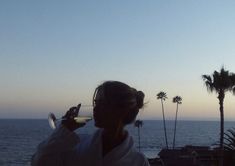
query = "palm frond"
x=222 y=80
x=229 y=138
x=206 y=78
x=138 y=123
x=232 y=132
x=177 y=99
x=161 y=95
x=208 y=82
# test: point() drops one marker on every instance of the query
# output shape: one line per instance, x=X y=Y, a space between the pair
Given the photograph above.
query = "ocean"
x=19 y=138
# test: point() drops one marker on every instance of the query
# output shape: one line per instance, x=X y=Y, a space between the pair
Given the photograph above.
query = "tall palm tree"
x=177 y=100
x=162 y=96
x=220 y=82
x=138 y=124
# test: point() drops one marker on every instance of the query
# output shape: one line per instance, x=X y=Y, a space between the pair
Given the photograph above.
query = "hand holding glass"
x=82 y=118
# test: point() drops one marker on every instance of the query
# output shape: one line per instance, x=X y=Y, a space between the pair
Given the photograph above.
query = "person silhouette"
x=115 y=105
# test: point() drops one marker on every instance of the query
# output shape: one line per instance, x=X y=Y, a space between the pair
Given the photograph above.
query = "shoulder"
x=133 y=152
x=88 y=150
x=88 y=142
x=139 y=158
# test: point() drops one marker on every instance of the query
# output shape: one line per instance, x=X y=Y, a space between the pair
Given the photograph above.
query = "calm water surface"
x=19 y=138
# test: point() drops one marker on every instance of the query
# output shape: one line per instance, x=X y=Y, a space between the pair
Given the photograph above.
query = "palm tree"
x=177 y=100
x=220 y=82
x=138 y=124
x=162 y=96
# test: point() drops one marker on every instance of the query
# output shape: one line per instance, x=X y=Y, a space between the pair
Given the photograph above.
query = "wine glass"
x=85 y=115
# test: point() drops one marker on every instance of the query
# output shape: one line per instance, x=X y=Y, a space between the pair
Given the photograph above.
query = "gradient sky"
x=54 y=53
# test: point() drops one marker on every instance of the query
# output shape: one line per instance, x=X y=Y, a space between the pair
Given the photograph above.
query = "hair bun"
x=140 y=99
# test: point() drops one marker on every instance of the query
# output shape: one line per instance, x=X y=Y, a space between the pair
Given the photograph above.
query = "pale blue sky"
x=55 y=53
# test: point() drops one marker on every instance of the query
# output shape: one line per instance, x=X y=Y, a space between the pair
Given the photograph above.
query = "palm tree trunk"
x=221 y=128
x=139 y=137
x=221 y=103
x=164 y=124
x=176 y=114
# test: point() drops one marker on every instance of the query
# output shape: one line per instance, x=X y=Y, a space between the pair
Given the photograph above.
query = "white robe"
x=63 y=148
